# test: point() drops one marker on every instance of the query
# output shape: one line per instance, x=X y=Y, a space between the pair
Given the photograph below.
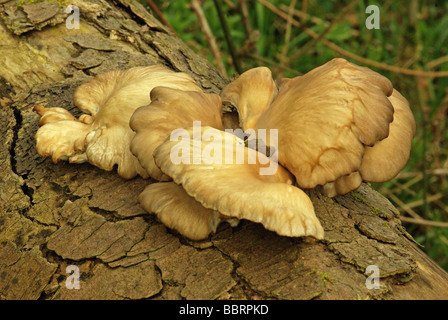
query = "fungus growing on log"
x=223 y=175
x=251 y=93
x=102 y=137
x=218 y=181
x=169 y=110
x=337 y=125
x=179 y=211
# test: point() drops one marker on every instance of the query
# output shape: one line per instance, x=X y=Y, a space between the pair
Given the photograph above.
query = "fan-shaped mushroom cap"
x=389 y=156
x=283 y=83
x=251 y=93
x=62 y=136
x=170 y=109
x=103 y=137
x=325 y=119
x=215 y=169
x=178 y=211
x=115 y=91
x=52 y=114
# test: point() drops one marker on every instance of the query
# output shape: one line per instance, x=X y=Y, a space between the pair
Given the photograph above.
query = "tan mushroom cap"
x=326 y=118
x=170 y=109
x=178 y=211
x=283 y=83
x=219 y=183
x=103 y=136
x=251 y=93
x=61 y=135
x=388 y=157
x=338 y=124
x=52 y=114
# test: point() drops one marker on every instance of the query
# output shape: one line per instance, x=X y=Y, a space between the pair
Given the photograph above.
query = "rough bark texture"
x=53 y=216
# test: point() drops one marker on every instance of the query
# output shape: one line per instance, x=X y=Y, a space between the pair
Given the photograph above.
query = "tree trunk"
x=58 y=219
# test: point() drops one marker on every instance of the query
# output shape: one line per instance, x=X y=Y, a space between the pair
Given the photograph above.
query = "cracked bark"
x=53 y=216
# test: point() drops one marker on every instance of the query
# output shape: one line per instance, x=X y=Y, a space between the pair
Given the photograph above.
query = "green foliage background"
x=413 y=35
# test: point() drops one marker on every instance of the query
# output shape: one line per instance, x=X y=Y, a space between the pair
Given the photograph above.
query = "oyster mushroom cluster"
x=334 y=127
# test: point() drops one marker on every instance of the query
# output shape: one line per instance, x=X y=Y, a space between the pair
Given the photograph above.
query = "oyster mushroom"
x=170 y=109
x=102 y=137
x=329 y=122
x=251 y=94
x=216 y=177
x=218 y=171
x=181 y=212
x=386 y=158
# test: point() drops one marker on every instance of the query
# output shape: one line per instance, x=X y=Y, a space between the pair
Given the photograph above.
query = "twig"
x=403 y=206
x=425 y=222
x=442 y=205
x=401 y=187
x=245 y=17
x=435 y=172
x=305 y=16
x=283 y=58
x=429 y=199
x=225 y=28
x=424 y=135
x=160 y=15
x=348 y=54
x=251 y=36
x=205 y=27
x=435 y=63
x=304 y=9
x=273 y=63
x=321 y=36
x=230 y=4
x=404 y=186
